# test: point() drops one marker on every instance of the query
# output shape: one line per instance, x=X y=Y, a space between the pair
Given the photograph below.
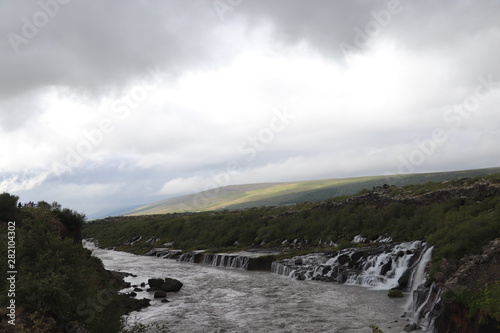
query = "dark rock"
x=411 y=327
x=343 y=259
x=143 y=284
x=356 y=256
x=160 y=294
x=155 y=283
x=151 y=289
x=401 y=253
x=171 y=285
x=138 y=289
x=298 y=261
x=386 y=268
x=126 y=304
x=133 y=294
x=165 y=300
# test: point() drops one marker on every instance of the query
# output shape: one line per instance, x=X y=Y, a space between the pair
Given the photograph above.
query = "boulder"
x=165 y=300
x=386 y=268
x=137 y=289
x=343 y=259
x=155 y=283
x=133 y=294
x=411 y=327
x=300 y=277
x=160 y=294
x=170 y=284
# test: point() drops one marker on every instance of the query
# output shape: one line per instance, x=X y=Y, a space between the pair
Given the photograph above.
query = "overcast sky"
x=108 y=104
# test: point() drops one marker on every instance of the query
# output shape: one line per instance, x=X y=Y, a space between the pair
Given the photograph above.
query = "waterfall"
x=280 y=269
x=186 y=257
x=418 y=275
x=431 y=315
x=377 y=267
x=383 y=271
x=424 y=300
x=418 y=279
x=226 y=260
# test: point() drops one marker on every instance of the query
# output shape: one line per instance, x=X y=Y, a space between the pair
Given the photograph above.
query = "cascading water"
x=187 y=257
x=247 y=260
x=385 y=266
x=226 y=260
x=378 y=267
x=423 y=299
x=384 y=270
x=418 y=279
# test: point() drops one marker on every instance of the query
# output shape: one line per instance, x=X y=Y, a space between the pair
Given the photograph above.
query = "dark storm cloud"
x=439 y=26
x=94 y=47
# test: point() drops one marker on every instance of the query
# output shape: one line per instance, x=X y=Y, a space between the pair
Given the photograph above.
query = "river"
x=216 y=300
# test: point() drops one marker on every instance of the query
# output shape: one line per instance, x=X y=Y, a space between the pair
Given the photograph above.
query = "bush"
x=395 y=293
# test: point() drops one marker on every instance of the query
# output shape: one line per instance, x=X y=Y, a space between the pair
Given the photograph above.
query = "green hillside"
x=277 y=194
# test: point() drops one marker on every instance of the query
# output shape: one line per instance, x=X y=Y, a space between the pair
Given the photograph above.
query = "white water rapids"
x=217 y=300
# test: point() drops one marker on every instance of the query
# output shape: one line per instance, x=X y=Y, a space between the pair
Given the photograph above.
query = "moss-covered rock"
x=396 y=293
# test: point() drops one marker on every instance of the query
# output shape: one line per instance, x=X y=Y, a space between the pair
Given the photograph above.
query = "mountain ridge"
x=287 y=193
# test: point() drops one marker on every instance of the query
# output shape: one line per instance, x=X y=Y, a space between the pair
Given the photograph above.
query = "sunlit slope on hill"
x=273 y=194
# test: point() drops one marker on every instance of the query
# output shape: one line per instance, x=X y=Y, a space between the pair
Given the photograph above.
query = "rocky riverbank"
x=472 y=273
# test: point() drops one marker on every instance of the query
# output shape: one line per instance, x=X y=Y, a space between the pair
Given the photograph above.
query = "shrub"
x=396 y=293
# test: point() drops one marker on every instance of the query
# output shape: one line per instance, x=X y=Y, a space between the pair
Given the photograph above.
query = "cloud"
x=79 y=93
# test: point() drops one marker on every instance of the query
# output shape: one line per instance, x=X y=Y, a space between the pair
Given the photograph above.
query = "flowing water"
x=217 y=300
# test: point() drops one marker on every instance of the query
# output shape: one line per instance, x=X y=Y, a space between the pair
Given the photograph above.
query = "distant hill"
x=276 y=194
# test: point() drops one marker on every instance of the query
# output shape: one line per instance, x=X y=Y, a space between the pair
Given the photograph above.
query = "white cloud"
x=219 y=85
x=183 y=185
